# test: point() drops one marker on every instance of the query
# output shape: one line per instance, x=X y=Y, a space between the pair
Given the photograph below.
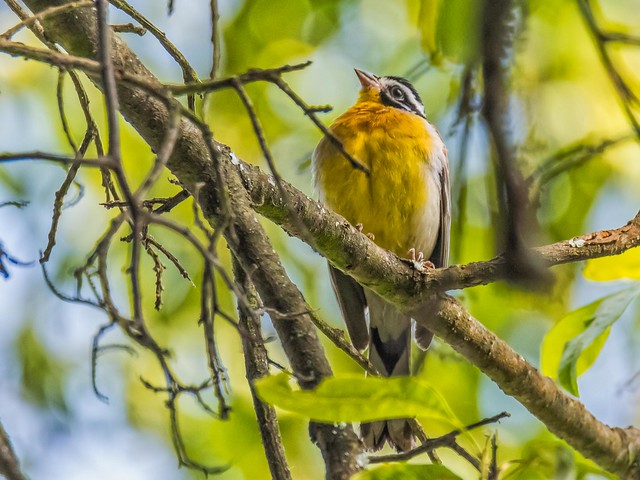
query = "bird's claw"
x=360 y=227
x=418 y=261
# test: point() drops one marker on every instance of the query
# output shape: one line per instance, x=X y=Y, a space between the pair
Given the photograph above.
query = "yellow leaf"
x=625 y=265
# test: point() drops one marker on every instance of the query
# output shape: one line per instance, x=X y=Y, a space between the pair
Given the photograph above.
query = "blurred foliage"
x=409 y=472
x=43 y=375
x=545 y=459
x=561 y=96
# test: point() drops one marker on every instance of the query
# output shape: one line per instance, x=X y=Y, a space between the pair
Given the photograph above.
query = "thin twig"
x=262 y=141
x=493 y=466
x=625 y=93
x=309 y=111
x=9 y=463
x=188 y=72
x=54 y=157
x=215 y=39
x=59 y=198
x=567 y=159
x=49 y=12
x=256 y=362
x=6 y=257
x=61 y=111
x=128 y=28
x=250 y=76
x=95 y=347
x=445 y=440
x=621 y=37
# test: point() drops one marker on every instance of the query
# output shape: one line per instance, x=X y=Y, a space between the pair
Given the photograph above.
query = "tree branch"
x=615 y=449
x=446 y=440
x=9 y=464
x=251 y=246
x=194 y=161
x=256 y=363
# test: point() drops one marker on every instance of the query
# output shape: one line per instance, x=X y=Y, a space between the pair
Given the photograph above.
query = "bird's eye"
x=397 y=93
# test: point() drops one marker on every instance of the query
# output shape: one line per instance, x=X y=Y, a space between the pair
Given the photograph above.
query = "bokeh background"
x=561 y=95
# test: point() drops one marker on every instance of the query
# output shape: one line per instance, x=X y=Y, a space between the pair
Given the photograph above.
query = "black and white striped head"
x=395 y=92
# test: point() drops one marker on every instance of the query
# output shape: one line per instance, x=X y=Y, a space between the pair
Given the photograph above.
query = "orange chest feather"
x=395 y=145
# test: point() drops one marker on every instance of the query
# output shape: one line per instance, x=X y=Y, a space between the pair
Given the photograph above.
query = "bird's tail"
x=389 y=352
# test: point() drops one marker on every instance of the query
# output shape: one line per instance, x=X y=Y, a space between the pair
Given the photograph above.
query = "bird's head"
x=394 y=92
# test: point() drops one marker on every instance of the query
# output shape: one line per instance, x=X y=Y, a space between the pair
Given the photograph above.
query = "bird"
x=402 y=202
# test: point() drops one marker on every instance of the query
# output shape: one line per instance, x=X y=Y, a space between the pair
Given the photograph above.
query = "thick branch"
x=251 y=246
x=615 y=449
x=257 y=366
x=355 y=254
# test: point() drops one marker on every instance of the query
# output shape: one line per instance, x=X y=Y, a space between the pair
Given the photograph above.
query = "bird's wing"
x=352 y=303
x=440 y=254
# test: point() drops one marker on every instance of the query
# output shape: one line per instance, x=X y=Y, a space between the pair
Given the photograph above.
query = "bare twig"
x=215 y=39
x=252 y=75
x=625 y=93
x=466 y=116
x=209 y=309
x=59 y=198
x=6 y=257
x=95 y=348
x=14 y=203
x=446 y=440
x=493 y=466
x=172 y=202
x=53 y=157
x=621 y=37
x=262 y=141
x=148 y=239
x=309 y=111
x=61 y=111
x=188 y=72
x=569 y=158
x=9 y=463
x=129 y=28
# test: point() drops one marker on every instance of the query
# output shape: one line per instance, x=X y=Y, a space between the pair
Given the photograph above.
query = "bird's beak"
x=367 y=80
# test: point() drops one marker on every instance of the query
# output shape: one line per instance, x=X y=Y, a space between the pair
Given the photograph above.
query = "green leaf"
x=574 y=343
x=355 y=398
x=407 y=472
x=554 y=343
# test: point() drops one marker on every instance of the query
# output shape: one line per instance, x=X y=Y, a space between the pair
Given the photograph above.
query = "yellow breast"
x=395 y=146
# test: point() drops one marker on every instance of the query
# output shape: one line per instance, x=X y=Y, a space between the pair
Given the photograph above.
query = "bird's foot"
x=370 y=236
x=418 y=261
